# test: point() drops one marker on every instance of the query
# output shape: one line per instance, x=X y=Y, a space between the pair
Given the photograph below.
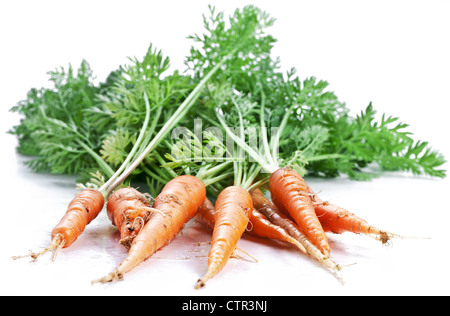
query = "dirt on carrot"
x=129 y=210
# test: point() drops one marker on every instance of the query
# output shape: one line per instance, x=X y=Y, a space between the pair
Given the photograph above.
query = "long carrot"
x=129 y=210
x=83 y=208
x=289 y=189
x=178 y=202
x=232 y=212
x=275 y=216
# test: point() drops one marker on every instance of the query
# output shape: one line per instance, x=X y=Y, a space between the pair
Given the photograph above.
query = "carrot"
x=273 y=214
x=338 y=220
x=129 y=210
x=232 y=212
x=83 y=208
x=260 y=226
x=289 y=189
x=205 y=214
x=178 y=202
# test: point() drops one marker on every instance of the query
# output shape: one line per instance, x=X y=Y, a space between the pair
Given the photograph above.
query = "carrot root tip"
x=111 y=277
x=200 y=284
x=57 y=243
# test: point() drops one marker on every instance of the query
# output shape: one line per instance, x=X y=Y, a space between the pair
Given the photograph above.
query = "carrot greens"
x=232 y=125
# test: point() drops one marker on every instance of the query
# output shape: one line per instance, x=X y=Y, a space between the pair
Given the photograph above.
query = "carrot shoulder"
x=289 y=189
x=232 y=212
x=178 y=202
x=83 y=208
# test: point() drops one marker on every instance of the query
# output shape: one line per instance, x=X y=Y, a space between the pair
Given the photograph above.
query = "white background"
x=393 y=53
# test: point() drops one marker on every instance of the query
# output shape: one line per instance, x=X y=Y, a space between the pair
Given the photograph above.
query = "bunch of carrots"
x=259 y=191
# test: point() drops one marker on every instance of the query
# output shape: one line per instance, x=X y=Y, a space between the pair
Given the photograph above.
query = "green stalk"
x=173 y=120
x=106 y=188
x=241 y=143
x=277 y=137
x=103 y=165
x=267 y=153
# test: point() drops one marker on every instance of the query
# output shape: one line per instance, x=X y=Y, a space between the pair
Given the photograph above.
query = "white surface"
x=392 y=53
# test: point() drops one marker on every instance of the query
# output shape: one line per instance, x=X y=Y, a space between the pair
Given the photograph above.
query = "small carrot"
x=232 y=212
x=83 y=208
x=178 y=202
x=338 y=220
x=289 y=189
x=129 y=210
x=273 y=214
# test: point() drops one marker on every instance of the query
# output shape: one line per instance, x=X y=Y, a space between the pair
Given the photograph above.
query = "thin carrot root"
x=57 y=243
x=235 y=255
x=111 y=277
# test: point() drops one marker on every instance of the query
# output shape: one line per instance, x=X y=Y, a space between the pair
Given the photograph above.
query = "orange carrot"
x=205 y=214
x=337 y=220
x=260 y=226
x=83 y=208
x=232 y=212
x=129 y=210
x=178 y=202
x=289 y=189
x=268 y=209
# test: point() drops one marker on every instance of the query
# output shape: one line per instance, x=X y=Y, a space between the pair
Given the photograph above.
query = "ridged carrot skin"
x=178 y=202
x=84 y=207
x=232 y=212
x=129 y=210
x=289 y=189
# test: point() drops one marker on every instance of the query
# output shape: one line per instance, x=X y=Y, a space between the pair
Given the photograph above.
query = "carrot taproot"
x=232 y=212
x=129 y=210
x=275 y=216
x=338 y=220
x=289 y=189
x=83 y=208
x=178 y=202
